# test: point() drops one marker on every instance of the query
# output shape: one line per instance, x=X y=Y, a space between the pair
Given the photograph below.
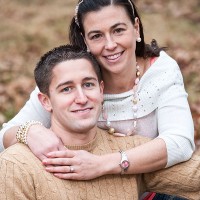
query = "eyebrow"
x=64 y=83
x=90 y=78
x=112 y=27
x=71 y=82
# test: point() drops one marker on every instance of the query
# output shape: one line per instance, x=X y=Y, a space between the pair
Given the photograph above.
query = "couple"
x=71 y=90
x=143 y=94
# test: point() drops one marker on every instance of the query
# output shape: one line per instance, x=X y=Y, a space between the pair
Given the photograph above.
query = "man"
x=72 y=91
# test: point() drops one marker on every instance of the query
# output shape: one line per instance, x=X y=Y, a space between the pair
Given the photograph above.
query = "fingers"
x=57 y=161
x=65 y=172
x=75 y=165
x=61 y=154
x=60 y=169
x=71 y=169
x=59 y=158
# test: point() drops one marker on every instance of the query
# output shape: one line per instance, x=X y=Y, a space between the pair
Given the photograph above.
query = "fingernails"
x=49 y=154
x=44 y=161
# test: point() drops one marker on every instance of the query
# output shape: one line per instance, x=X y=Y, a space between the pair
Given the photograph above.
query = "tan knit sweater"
x=22 y=176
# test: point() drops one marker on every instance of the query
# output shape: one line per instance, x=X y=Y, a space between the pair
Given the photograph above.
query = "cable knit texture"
x=22 y=176
x=163 y=110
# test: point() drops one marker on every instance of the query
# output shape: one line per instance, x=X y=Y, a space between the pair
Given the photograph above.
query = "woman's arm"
x=147 y=157
x=32 y=110
x=175 y=122
x=175 y=143
x=40 y=139
x=9 y=137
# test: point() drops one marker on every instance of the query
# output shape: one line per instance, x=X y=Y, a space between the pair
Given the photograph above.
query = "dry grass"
x=28 y=28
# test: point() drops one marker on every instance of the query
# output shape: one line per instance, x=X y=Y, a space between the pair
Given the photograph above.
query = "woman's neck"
x=116 y=84
x=123 y=82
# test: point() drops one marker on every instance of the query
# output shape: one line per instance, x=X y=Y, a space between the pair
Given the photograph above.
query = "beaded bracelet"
x=22 y=132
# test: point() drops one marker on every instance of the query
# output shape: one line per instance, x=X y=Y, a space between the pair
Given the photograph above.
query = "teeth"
x=114 y=56
x=82 y=110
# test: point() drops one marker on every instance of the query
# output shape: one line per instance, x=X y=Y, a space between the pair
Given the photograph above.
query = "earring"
x=139 y=39
x=88 y=50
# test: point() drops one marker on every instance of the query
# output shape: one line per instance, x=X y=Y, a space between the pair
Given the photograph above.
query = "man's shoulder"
x=16 y=153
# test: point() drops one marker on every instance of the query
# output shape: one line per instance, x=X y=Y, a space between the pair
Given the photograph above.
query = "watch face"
x=125 y=164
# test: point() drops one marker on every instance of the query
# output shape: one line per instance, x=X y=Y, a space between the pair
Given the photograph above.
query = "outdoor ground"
x=28 y=28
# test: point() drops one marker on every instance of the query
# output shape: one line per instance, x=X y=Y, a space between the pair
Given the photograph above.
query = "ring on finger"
x=71 y=169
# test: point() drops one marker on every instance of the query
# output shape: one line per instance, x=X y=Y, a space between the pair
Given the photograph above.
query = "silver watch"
x=124 y=163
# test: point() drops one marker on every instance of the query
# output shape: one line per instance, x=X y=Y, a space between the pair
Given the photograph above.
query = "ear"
x=101 y=85
x=45 y=101
x=137 y=26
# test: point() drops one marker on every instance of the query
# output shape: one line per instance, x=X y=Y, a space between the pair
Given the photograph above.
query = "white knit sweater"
x=163 y=110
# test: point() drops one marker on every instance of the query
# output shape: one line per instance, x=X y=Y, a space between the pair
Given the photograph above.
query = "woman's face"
x=111 y=37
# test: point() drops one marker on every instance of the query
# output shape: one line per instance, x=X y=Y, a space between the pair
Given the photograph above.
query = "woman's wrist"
x=34 y=131
x=110 y=163
x=22 y=132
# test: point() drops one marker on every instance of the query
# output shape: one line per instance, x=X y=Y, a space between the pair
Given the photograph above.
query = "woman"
x=144 y=94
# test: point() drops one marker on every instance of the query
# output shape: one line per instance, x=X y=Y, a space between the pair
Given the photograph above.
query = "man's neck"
x=72 y=138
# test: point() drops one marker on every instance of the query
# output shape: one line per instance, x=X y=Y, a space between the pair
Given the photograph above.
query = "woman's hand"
x=41 y=141
x=75 y=165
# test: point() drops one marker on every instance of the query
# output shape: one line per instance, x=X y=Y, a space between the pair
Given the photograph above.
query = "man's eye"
x=89 y=85
x=66 y=89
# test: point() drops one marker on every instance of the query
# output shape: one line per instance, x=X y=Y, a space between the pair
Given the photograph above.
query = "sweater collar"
x=88 y=146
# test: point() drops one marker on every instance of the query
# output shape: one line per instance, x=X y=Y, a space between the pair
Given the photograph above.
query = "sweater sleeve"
x=32 y=110
x=175 y=124
x=181 y=180
x=15 y=182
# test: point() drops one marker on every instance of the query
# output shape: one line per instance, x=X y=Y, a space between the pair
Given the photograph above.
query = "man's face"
x=75 y=96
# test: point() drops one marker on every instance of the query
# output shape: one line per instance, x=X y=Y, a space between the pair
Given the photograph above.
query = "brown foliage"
x=29 y=28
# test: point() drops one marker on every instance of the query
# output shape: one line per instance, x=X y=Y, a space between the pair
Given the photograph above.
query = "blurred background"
x=29 y=28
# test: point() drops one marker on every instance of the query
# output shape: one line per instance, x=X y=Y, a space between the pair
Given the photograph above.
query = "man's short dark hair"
x=43 y=70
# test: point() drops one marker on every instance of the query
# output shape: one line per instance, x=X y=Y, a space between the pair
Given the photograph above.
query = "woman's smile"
x=114 y=57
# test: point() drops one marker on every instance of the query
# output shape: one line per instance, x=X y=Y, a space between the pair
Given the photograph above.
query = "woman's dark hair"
x=77 y=32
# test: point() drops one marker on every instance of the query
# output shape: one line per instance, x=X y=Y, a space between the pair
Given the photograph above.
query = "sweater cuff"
x=177 y=151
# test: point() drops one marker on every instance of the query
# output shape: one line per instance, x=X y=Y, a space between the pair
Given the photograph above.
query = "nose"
x=110 y=43
x=80 y=97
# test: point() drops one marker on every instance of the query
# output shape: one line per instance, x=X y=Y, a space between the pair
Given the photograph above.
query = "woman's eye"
x=119 y=30
x=95 y=37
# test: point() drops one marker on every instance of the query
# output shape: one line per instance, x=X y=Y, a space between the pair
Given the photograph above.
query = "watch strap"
x=124 y=163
